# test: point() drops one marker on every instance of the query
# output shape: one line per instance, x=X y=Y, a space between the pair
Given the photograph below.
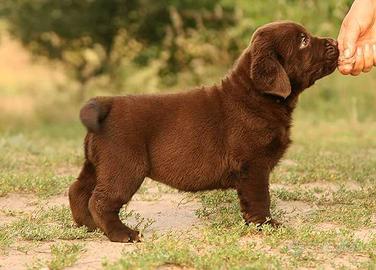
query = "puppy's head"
x=285 y=58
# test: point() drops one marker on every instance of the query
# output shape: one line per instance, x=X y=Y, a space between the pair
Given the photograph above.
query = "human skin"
x=357 y=38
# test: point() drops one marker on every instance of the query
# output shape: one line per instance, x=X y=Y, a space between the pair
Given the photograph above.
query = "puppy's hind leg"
x=79 y=194
x=115 y=188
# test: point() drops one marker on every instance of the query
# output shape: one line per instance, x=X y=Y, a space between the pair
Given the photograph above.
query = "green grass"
x=44 y=224
x=64 y=255
x=42 y=162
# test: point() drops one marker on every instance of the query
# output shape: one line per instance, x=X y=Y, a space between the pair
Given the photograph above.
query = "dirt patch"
x=12 y=205
x=172 y=211
x=365 y=234
x=109 y=252
x=293 y=208
x=18 y=202
x=327 y=226
x=294 y=211
x=20 y=259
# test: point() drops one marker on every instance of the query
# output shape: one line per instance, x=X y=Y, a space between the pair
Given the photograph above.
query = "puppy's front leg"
x=253 y=192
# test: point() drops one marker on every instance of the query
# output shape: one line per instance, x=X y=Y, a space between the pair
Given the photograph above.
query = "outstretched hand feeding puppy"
x=229 y=135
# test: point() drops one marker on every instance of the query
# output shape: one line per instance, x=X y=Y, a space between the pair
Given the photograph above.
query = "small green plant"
x=63 y=255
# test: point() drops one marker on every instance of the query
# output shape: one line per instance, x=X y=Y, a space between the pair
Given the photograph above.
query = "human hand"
x=357 y=38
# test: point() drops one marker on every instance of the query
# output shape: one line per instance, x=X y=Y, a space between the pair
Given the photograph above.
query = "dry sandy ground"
x=170 y=211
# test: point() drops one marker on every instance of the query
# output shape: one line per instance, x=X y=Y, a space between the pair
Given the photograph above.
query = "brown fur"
x=224 y=136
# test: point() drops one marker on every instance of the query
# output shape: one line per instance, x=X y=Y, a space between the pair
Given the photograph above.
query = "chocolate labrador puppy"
x=229 y=135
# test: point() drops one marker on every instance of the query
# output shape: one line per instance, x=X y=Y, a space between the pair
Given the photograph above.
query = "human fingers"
x=346 y=45
x=347 y=38
x=345 y=66
x=368 y=58
x=359 y=62
x=345 y=69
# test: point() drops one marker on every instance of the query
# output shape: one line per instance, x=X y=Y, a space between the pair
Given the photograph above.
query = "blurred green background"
x=56 y=54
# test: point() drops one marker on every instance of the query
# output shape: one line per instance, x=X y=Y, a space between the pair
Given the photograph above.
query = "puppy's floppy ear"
x=267 y=72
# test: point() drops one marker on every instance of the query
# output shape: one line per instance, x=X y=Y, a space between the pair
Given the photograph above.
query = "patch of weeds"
x=140 y=223
x=56 y=223
x=170 y=250
x=38 y=264
x=308 y=236
x=11 y=213
x=369 y=264
x=27 y=247
x=45 y=225
x=46 y=185
x=223 y=251
x=353 y=216
x=63 y=255
x=366 y=193
x=299 y=255
x=221 y=208
x=352 y=208
x=297 y=243
x=338 y=157
x=294 y=195
x=36 y=164
x=5 y=240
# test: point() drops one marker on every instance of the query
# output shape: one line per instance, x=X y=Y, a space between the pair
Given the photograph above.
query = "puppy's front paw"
x=260 y=221
x=125 y=236
x=272 y=222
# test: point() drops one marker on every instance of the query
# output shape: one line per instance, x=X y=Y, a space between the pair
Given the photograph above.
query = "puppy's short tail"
x=94 y=112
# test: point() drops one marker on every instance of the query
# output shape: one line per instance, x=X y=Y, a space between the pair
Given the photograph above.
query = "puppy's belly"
x=192 y=183
x=190 y=174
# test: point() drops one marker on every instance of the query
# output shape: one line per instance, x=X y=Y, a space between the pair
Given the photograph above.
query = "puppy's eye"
x=304 y=40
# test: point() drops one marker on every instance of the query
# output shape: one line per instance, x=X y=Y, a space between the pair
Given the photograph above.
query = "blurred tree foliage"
x=115 y=39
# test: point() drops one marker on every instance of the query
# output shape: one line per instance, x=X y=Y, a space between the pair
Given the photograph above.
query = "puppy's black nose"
x=331 y=42
x=331 y=47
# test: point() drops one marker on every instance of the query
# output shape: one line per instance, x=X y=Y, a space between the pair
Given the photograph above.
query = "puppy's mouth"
x=327 y=66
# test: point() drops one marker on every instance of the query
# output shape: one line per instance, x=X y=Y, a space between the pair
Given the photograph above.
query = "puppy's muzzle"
x=332 y=52
x=331 y=55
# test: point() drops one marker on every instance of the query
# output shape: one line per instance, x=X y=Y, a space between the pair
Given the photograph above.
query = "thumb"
x=347 y=39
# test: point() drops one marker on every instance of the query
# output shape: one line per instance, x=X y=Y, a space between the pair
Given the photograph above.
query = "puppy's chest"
x=279 y=141
x=263 y=143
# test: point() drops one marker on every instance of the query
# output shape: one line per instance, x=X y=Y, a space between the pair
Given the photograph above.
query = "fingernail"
x=374 y=48
x=366 y=47
x=347 y=53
